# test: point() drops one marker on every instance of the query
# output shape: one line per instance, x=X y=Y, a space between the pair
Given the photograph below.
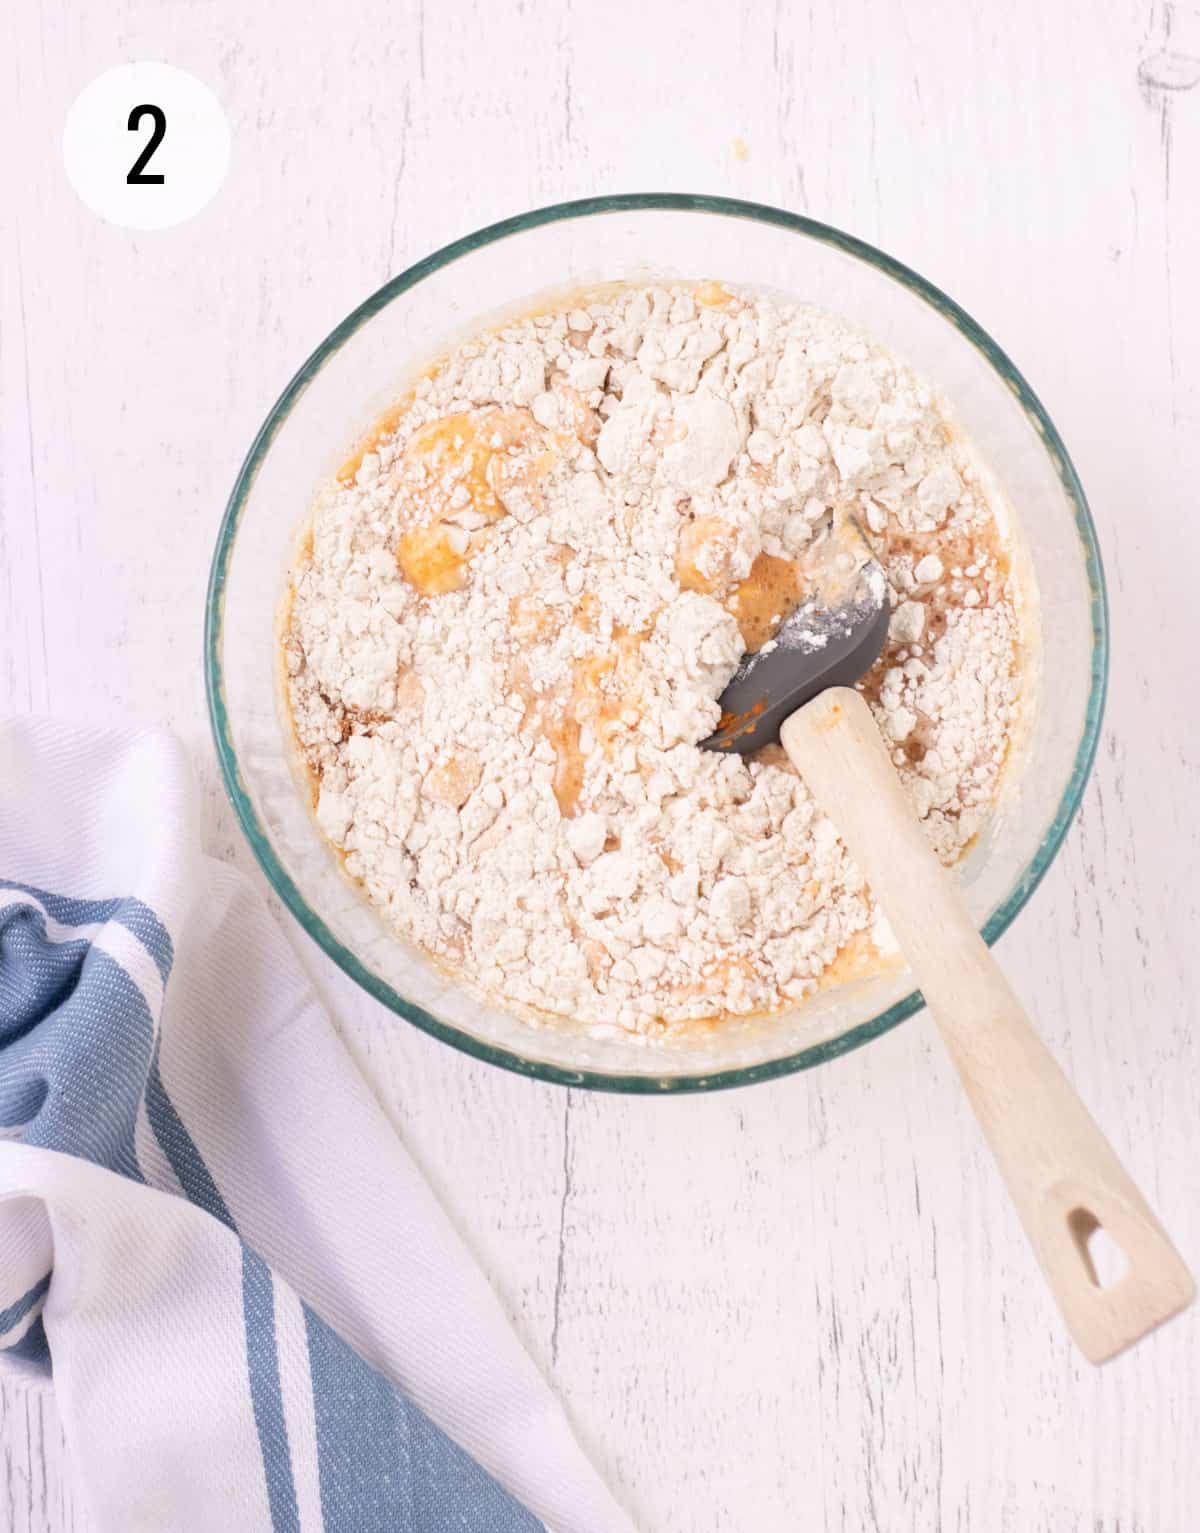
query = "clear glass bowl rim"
x=289 y=893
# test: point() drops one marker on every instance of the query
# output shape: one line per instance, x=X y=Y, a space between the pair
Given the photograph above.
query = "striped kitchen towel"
x=251 y=1310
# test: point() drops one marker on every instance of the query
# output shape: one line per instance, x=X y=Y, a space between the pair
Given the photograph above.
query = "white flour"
x=513 y=625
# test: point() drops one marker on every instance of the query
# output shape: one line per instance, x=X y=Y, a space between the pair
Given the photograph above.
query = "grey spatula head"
x=820 y=645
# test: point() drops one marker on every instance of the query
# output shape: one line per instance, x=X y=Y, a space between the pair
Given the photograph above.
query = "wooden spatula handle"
x=1061 y=1172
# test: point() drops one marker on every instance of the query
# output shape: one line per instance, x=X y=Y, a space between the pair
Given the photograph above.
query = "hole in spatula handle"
x=1103 y=1257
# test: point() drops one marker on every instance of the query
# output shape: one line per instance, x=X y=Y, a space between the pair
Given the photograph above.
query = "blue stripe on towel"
x=32 y=1347
x=384 y=1467
x=64 y=909
x=128 y=912
x=266 y=1396
x=180 y=1149
x=258 y=1304
x=17 y=1312
x=150 y=932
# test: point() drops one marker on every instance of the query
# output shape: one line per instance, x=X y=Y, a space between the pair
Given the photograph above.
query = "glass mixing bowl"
x=364 y=366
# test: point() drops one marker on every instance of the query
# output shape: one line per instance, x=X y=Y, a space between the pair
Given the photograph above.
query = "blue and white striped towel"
x=253 y=1309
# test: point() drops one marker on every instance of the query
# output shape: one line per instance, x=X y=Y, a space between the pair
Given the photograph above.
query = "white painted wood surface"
x=805 y=1305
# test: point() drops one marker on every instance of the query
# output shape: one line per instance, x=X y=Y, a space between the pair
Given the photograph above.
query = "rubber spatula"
x=1061 y=1172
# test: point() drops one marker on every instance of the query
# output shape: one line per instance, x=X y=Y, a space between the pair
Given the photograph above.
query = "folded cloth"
x=254 y=1313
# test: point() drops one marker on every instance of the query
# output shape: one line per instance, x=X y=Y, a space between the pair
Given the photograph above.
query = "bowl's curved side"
x=241 y=798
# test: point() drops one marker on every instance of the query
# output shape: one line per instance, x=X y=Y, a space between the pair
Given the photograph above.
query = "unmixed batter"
x=517 y=609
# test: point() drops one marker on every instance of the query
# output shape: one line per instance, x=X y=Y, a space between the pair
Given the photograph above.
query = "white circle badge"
x=146 y=145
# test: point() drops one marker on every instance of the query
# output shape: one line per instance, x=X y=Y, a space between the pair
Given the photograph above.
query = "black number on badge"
x=137 y=175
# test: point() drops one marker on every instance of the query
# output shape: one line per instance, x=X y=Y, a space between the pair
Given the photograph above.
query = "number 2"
x=137 y=175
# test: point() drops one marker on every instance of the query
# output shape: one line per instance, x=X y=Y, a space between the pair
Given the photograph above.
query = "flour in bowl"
x=516 y=611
